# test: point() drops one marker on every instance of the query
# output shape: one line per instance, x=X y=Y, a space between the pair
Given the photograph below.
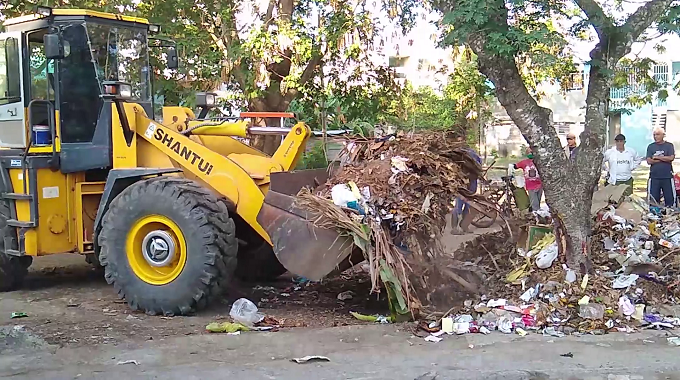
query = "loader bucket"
x=302 y=248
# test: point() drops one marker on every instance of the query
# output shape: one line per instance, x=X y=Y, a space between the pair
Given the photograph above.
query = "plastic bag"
x=342 y=195
x=245 y=312
x=625 y=306
x=591 y=311
x=545 y=258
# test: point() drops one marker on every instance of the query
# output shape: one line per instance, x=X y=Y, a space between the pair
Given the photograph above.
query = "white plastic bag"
x=545 y=258
x=342 y=195
x=245 y=312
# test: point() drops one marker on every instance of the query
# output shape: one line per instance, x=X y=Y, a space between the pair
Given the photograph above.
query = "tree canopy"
x=506 y=34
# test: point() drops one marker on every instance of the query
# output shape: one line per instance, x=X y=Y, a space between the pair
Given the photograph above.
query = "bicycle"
x=502 y=194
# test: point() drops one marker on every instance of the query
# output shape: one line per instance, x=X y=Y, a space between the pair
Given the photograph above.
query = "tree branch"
x=307 y=74
x=622 y=40
x=269 y=16
x=643 y=17
x=600 y=21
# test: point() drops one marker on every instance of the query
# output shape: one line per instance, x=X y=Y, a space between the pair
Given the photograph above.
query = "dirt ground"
x=68 y=303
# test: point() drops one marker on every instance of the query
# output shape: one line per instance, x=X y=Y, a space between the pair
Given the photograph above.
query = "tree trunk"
x=568 y=185
x=570 y=210
x=267 y=143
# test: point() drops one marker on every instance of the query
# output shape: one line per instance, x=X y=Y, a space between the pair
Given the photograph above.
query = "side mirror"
x=173 y=61
x=54 y=46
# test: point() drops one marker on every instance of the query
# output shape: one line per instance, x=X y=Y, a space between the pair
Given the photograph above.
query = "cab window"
x=10 y=77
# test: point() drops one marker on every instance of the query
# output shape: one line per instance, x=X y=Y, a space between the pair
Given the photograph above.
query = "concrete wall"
x=637 y=127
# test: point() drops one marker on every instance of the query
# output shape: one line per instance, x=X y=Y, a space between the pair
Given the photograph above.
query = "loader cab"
x=53 y=69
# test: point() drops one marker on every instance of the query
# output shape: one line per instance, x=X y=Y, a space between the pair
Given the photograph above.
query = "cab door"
x=12 y=115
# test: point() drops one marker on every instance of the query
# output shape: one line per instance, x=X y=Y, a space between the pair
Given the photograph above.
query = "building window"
x=659 y=120
x=575 y=81
x=661 y=74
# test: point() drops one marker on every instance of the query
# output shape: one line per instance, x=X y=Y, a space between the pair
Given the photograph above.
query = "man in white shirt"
x=620 y=162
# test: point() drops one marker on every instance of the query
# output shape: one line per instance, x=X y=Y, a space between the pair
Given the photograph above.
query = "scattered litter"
x=310 y=359
x=124 y=362
x=639 y=312
x=551 y=331
x=496 y=303
x=245 y=312
x=546 y=256
x=625 y=306
x=520 y=331
x=528 y=295
x=505 y=325
x=447 y=325
x=226 y=327
x=567 y=355
x=673 y=340
x=433 y=339
x=624 y=281
x=591 y=311
x=18 y=314
x=372 y=318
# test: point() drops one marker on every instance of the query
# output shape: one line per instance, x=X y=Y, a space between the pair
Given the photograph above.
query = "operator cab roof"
x=73 y=14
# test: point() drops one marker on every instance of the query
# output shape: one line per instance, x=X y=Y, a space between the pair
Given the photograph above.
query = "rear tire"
x=13 y=269
x=485 y=220
x=204 y=240
x=258 y=263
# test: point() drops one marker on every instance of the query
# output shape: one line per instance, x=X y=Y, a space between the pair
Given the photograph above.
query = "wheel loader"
x=170 y=209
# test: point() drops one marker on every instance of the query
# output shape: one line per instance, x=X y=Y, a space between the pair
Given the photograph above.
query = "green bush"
x=314 y=158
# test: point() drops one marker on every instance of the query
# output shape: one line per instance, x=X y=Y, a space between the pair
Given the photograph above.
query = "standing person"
x=462 y=208
x=620 y=163
x=660 y=155
x=532 y=180
x=571 y=149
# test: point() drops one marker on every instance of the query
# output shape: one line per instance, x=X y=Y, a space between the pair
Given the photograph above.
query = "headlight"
x=44 y=11
x=118 y=90
x=206 y=99
x=125 y=91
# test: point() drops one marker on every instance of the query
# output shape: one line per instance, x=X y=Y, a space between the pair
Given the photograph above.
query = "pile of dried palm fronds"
x=409 y=183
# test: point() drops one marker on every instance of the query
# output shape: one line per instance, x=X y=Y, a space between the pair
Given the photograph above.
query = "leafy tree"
x=265 y=56
x=505 y=34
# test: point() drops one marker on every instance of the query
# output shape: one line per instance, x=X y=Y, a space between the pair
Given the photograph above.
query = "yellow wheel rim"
x=156 y=249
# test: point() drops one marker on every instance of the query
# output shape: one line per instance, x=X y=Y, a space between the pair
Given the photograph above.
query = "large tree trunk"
x=273 y=102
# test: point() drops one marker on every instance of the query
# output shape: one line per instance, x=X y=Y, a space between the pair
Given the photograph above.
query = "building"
x=636 y=123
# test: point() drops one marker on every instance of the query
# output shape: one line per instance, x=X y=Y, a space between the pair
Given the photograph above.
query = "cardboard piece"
x=607 y=195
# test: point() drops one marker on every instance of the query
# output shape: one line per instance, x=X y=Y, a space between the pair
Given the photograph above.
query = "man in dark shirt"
x=660 y=156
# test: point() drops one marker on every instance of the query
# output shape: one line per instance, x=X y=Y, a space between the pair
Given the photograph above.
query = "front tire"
x=13 y=269
x=167 y=245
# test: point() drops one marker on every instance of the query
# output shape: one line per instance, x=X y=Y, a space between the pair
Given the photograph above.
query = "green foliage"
x=314 y=158
x=527 y=32
x=531 y=39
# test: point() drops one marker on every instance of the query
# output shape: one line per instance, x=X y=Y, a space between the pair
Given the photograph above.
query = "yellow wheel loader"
x=170 y=209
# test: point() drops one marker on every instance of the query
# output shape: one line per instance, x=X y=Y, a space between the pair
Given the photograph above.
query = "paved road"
x=356 y=352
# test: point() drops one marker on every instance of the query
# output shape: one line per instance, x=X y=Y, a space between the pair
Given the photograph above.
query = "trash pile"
x=393 y=196
x=634 y=284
